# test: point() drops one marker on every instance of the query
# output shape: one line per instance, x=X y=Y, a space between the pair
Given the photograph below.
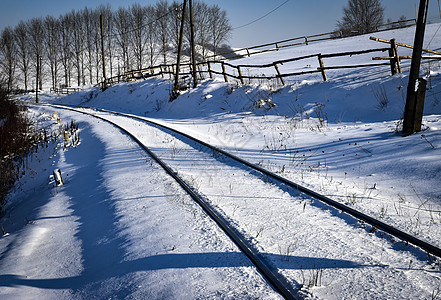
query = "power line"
x=258 y=19
x=148 y=24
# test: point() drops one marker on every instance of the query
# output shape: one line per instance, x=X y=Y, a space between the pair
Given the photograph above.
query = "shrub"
x=17 y=139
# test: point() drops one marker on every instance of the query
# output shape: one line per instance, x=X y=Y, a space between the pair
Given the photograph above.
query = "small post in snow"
x=4 y=231
x=240 y=75
x=279 y=75
x=322 y=67
x=223 y=71
x=209 y=70
x=58 y=178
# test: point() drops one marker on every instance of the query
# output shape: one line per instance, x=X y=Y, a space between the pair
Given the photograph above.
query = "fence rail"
x=207 y=66
x=306 y=40
x=219 y=68
x=65 y=90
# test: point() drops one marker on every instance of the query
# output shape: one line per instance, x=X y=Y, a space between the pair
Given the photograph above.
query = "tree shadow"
x=171 y=261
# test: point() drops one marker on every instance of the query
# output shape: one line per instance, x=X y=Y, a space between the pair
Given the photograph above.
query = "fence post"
x=397 y=57
x=306 y=40
x=223 y=72
x=393 y=66
x=248 y=51
x=278 y=74
x=240 y=75
x=200 y=72
x=209 y=70
x=322 y=67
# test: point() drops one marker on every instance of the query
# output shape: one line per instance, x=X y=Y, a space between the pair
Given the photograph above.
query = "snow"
x=120 y=228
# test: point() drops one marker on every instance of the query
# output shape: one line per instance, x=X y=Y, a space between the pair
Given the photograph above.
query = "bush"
x=17 y=139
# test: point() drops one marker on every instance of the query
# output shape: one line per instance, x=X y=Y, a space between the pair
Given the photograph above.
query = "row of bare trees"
x=67 y=50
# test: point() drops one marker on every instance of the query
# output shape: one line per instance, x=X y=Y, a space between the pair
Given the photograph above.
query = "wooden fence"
x=65 y=90
x=209 y=67
x=206 y=67
x=304 y=40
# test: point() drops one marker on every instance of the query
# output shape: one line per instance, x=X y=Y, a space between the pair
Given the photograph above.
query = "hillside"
x=340 y=138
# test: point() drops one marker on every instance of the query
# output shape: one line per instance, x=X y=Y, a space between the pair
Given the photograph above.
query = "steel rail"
x=434 y=250
x=278 y=282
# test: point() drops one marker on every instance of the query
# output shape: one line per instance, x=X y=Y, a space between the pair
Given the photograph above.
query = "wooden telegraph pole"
x=178 y=61
x=36 y=79
x=102 y=52
x=413 y=111
x=193 y=50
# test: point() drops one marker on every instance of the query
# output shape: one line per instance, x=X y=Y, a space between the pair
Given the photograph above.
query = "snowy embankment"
x=340 y=138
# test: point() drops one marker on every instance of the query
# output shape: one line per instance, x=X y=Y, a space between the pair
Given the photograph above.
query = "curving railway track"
x=228 y=216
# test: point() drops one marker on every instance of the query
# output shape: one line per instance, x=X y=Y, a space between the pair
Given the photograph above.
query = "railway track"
x=287 y=289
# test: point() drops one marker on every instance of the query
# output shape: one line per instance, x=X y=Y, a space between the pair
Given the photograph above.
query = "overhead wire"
x=260 y=18
x=436 y=32
x=149 y=23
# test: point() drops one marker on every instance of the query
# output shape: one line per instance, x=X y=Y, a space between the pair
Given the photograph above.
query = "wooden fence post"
x=200 y=72
x=397 y=57
x=248 y=51
x=279 y=74
x=223 y=72
x=393 y=65
x=240 y=75
x=306 y=40
x=322 y=67
x=209 y=70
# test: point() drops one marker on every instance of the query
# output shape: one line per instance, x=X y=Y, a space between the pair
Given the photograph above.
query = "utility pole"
x=102 y=52
x=36 y=79
x=181 y=35
x=193 y=50
x=413 y=112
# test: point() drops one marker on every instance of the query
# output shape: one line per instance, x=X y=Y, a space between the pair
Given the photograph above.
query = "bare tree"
x=78 y=45
x=66 y=44
x=138 y=42
x=108 y=26
x=96 y=37
x=21 y=38
x=36 y=34
x=52 y=29
x=220 y=27
x=8 y=55
x=201 y=17
x=152 y=35
x=175 y=21
x=122 y=21
x=162 y=24
x=361 y=15
x=71 y=44
x=88 y=23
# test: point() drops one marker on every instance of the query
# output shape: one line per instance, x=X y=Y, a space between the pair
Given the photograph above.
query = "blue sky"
x=295 y=18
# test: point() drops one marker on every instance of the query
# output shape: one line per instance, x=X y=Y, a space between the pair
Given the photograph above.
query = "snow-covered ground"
x=121 y=228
